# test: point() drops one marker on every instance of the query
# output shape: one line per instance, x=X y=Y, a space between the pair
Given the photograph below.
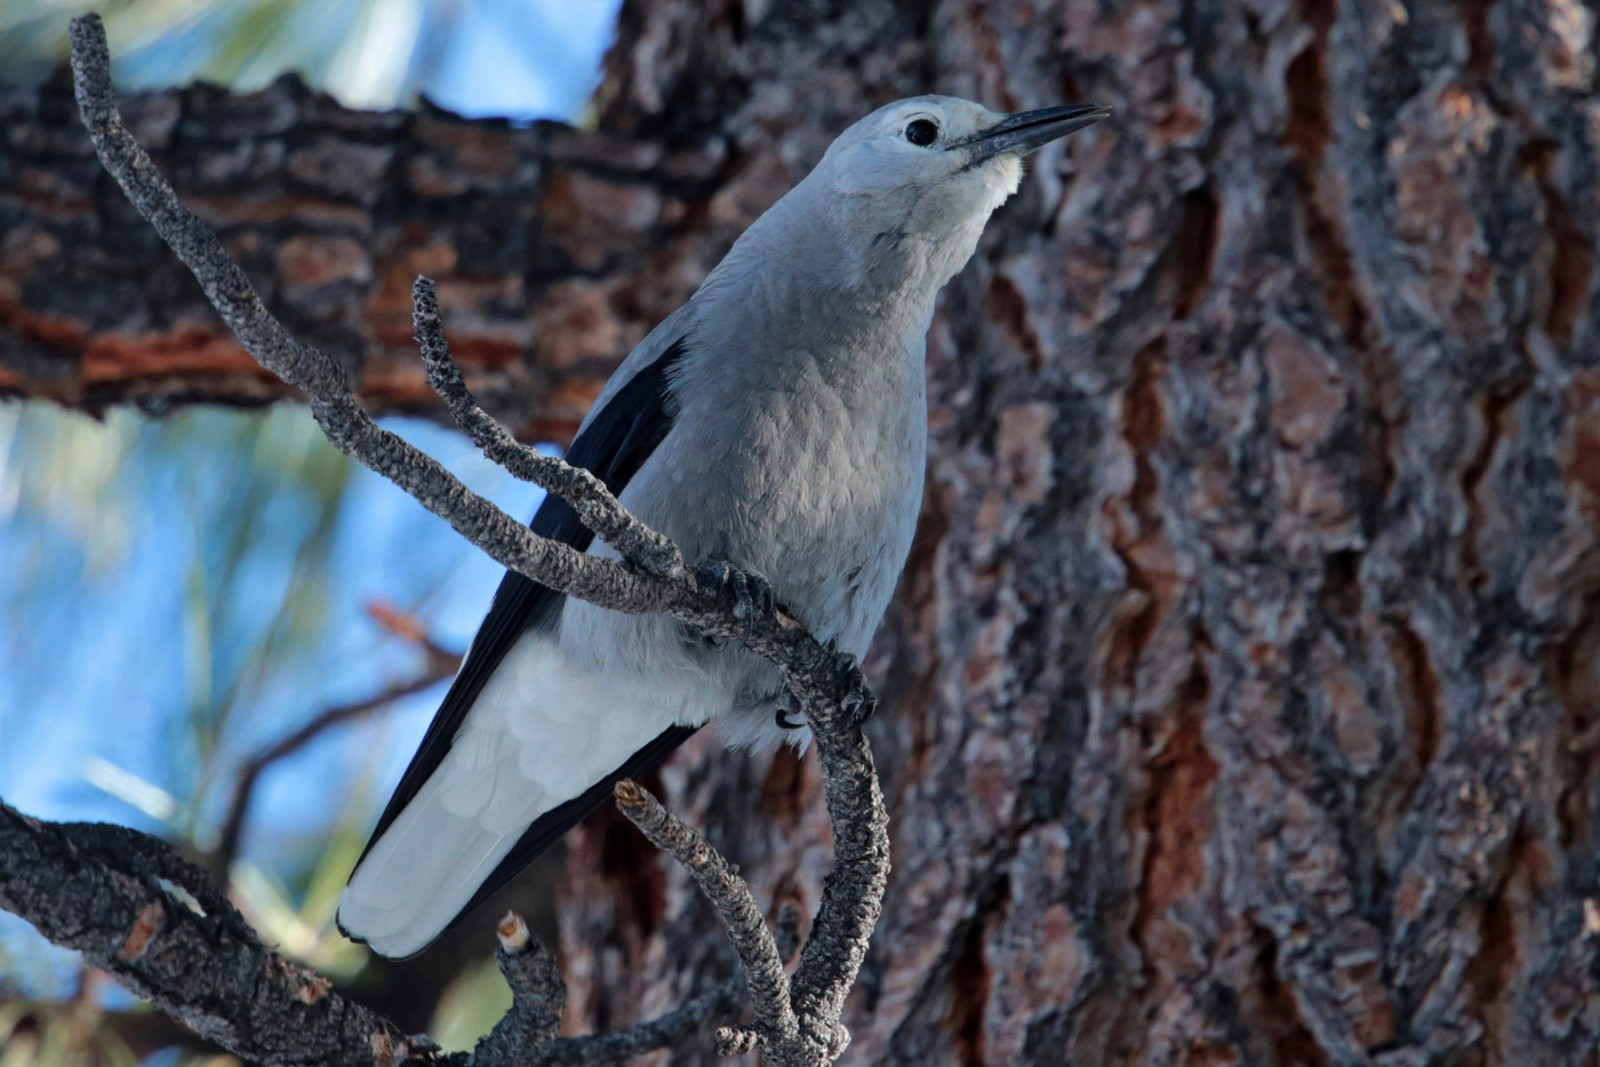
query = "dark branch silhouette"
x=244 y=788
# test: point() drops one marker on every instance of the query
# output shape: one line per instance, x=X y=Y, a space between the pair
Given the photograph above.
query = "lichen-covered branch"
x=106 y=892
x=138 y=910
x=587 y=494
x=537 y=996
x=796 y=1021
x=775 y=1021
x=850 y=908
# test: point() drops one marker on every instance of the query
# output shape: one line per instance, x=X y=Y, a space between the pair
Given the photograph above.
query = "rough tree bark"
x=1241 y=697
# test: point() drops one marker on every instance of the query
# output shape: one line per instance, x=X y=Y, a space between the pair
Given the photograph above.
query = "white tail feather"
x=539 y=734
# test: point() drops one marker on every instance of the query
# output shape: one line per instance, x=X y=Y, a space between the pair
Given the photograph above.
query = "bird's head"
x=931 y=169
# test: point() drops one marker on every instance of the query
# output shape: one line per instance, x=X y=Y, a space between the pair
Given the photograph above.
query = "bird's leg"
x=753 y=600
x=859 y=700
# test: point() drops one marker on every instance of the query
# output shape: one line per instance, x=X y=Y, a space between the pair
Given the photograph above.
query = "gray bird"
x=778 y=422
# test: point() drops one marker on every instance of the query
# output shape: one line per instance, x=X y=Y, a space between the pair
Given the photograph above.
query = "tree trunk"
x=1240 y=695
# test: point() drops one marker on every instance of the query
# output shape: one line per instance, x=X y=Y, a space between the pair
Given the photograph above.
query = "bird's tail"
x=513 y=781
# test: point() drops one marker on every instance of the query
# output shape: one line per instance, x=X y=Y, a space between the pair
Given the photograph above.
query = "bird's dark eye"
x=922 y=132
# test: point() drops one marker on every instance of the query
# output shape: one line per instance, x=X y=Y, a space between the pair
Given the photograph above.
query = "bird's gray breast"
x=797 y=450
x=807 y=467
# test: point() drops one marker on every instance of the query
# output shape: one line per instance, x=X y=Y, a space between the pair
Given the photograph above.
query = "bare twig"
x=538 y=996
x=323 y=378
x=588 y=495
x=796 y=1020
x=673 y=1028
x=735 y=903
x=407 y=627
x=227 y=849
x=538 y=991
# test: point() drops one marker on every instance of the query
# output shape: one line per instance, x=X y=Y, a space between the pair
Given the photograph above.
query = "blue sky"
x=545 y=58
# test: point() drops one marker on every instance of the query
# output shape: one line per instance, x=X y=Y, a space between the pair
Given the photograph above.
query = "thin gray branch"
x=796 y=1021
x=736 y=905
x=323 y=379
x=538 y=992
x=588 y=495
x=672 y=1028
x=852 y=895
x=812 y=671
x=225 y=285
x=618 y=1046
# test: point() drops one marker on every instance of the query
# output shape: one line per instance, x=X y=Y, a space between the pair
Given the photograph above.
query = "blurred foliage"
x=230 y=485
x=521 y=59
x=470 y=1006
x=369 y=53
x=237 y=514
x=60 y=1035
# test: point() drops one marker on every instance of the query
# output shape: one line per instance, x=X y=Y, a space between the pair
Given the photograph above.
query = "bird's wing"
x=622 y=431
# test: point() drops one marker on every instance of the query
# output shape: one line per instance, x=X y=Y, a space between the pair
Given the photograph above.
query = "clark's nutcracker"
x=778 y=422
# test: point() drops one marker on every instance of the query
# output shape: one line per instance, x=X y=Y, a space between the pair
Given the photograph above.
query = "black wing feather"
x=613 y=446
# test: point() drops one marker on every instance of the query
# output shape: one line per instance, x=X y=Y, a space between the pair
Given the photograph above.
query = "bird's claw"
x=782 y=719
x=753 y=599
x=858 y=701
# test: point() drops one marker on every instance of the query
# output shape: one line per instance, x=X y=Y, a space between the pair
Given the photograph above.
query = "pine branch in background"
x=239 y=803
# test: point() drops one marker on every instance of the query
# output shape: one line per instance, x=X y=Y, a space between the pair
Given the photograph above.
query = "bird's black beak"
x=1026 y=130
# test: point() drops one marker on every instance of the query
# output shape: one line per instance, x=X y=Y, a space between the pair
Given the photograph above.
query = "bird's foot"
x=859 y=701
x=753 y=600
x=785 y=723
